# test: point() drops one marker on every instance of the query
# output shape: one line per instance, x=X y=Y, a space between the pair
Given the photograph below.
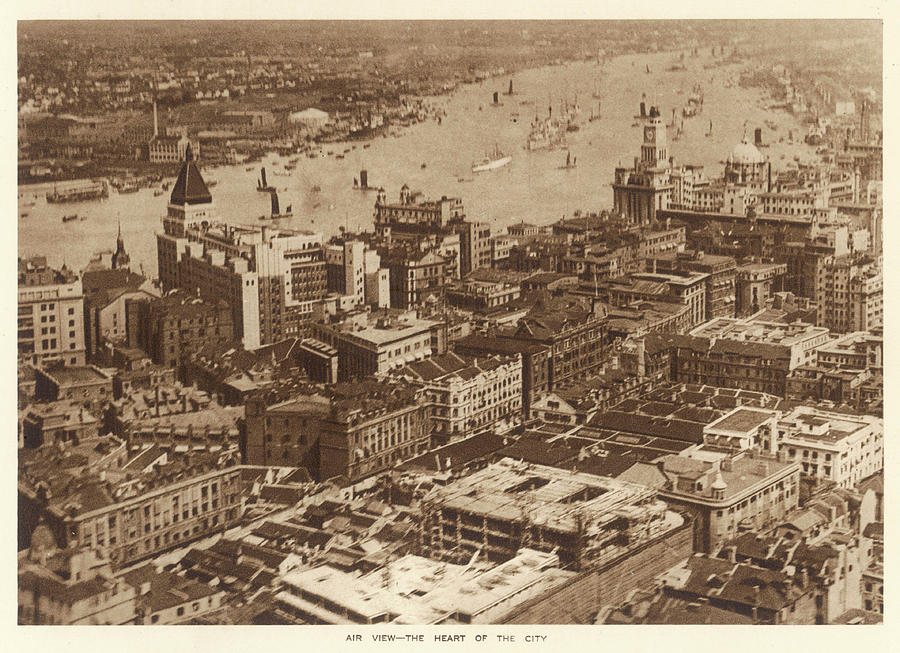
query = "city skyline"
x=451 y=322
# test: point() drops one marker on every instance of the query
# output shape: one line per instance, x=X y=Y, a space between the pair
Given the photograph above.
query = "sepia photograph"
x=450 y=323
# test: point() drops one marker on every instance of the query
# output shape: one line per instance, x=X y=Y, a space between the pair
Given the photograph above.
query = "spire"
x=189 y=186
x=120 y=259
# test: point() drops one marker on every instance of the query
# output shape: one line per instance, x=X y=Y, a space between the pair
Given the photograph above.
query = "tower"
x=654 y=149
x=120 y=259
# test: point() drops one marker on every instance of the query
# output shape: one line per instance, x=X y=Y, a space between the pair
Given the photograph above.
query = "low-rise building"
x=830 y=446
x=351 y=430
x=88 y=498
x=374 y=344
x=465 y=396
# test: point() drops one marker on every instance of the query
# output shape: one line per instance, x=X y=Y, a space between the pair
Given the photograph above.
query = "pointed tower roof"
x=189 y=186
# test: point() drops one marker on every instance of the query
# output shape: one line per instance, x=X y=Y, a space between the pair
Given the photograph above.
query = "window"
x=154 y=619
x=181 y=611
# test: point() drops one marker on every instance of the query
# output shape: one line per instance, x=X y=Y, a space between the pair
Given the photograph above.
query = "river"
x=532 y=187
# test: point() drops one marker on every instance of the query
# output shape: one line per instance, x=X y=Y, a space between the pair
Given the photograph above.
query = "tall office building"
x=270 y=277
x=50 y=314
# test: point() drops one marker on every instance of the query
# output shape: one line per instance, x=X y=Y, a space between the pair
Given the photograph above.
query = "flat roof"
x=741 y=420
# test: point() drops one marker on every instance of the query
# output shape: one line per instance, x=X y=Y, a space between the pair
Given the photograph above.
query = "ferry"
x=85 y=191
x=494 y=160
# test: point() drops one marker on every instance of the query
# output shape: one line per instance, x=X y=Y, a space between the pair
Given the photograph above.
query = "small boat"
x=570 y=162
x=158 y=192
x=250 y=169
x=367 y=146
x=69 y=218
x=23 y=214
x=424 y=165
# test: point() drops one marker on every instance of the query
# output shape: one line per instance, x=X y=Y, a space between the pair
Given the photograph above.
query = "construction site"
x=586 y=520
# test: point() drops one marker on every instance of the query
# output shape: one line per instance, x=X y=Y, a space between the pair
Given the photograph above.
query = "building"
x=799 y=339
x=170 y=149
x=348 y=430
x=586 y=520
x=416 y=276
x=574 y=336
x=374 y=344
x=726 y=492
x=755 y=284
x=58 y=422
x=415 y=214
x=416 y=590
x=50 y=314
x=172 y=327
x=720 y=284
x=87 y=384
x=645 y=189
x=832 y=447
x=849 y=294
x=107 y=293
x=72 y=587
x=477 y=294
x=89 y=497
x=535 y=361
x=354 y=270
x=465 y=396
x=311 y=119
x=271 y=278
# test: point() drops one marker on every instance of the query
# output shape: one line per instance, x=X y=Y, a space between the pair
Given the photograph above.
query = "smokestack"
x=155 y=121
x=643 y=110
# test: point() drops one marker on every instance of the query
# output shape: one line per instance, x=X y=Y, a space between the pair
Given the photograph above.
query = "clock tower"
x=654 y=150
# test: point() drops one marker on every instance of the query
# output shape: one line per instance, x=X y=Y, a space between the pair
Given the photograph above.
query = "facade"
x=642 y=191
x=756 y=283
x=376 y=345
x=720 y=283
x=574 y=336
x=174 y=326
x=105 y=510
x=170 y=149
x=416 y=276
x=729 y=492
x=70 y=587
x=50 y=314
x=835 y=447
x=466 y=396
x=849 y=294
x=348 y=430
x=270 y=278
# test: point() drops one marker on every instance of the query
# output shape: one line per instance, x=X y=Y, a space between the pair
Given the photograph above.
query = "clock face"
x=649 y=134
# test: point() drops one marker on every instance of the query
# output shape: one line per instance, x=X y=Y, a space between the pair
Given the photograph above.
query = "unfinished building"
x=586 y=520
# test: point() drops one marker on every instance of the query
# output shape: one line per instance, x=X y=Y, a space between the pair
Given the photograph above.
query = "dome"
x=745 y=153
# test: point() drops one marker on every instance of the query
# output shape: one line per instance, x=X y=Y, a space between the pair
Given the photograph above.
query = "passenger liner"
x=494 y=160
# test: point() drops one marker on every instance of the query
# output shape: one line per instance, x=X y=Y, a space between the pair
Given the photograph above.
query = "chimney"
x=732 y=554
x=155 y=121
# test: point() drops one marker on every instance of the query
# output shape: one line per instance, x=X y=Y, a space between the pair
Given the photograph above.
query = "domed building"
x=747 y=165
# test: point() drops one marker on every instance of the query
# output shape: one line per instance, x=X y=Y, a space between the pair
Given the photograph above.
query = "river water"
x=533 y=187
